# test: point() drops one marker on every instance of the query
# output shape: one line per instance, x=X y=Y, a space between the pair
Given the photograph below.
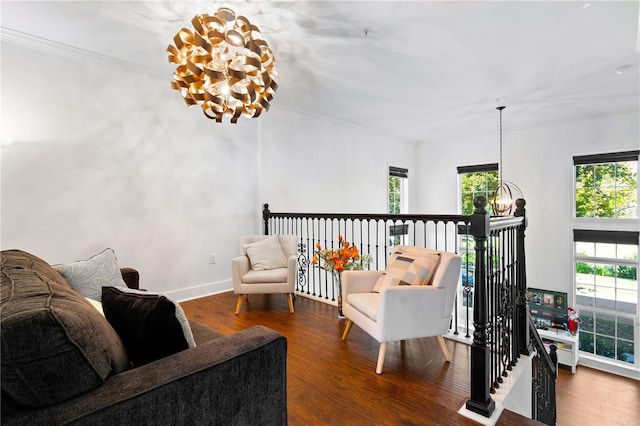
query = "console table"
x=567 y=346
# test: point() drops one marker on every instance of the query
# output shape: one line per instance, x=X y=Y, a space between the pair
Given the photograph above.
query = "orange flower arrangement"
x=345 y=258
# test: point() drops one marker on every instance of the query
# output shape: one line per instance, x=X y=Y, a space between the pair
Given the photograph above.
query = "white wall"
x=540 y=161
x=104 y=158
x=108 y=156
x=316 y=165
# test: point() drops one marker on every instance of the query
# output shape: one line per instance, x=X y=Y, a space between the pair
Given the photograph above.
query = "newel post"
x=522 y=310
x=480 y=401
x=266 y=214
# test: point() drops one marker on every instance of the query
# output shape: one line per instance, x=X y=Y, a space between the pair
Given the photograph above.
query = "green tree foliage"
x=584 y=268
x=621 y=271
x=607 y=190
x=629 y=272
x=475 y=184
x=394 y=194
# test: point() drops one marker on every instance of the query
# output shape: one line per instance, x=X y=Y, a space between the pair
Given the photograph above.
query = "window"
x=606 y=279
x=398 y=202
x=474 y=181
x=607 y=185
x=398 y=190
x=606 y=255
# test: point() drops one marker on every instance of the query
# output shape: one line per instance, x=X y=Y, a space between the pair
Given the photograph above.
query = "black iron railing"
x=493 y=285
x=373 y=234
x=543 y=380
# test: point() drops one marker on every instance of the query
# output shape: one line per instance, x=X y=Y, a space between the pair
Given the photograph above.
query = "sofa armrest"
x=236 y=379
x=292 y=271
x=239 y=267
x=415 y=306
x=131 y=277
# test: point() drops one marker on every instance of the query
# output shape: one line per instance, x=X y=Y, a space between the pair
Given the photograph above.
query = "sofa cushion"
x=366 y=303
x=55 y=345
x=266 y=254
x=408 y=269
x=202 y=333
x=265 y=277
x=150 y=325
x=88 y=277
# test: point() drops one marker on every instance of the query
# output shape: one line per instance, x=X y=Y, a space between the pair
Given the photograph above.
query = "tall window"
x=606 y=255
x=398 y=202
x=607 y=292
x=474 y=181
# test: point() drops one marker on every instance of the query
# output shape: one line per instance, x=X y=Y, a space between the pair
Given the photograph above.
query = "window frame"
x=596 y=312
x=607 y=230
x=479 y=168
x=466 y=243
x=398 y=232
x=594 y=159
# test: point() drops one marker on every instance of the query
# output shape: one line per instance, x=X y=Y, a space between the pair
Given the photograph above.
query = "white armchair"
x=267 y=266
x=400 y=312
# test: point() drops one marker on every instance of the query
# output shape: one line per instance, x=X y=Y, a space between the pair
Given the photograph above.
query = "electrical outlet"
x=212 y=258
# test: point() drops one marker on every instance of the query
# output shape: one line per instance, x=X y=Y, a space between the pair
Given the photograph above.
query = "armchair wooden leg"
x=347 y=329
x=290 y=300
x=381 y=352
x=239 y=303
x=445 y=350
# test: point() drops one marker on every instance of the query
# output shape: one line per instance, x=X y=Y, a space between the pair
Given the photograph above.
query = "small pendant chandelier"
x=504 y=196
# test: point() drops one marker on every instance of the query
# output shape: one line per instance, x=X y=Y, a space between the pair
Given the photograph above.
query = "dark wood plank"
x=334 y=382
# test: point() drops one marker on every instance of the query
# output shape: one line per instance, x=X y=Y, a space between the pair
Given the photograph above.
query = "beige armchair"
x=267 y=266
x=398 y=312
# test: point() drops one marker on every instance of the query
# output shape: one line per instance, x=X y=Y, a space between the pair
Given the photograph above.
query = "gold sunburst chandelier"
x=224 y=65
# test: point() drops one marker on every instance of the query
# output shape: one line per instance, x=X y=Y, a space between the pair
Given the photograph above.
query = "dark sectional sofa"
x=62 y=363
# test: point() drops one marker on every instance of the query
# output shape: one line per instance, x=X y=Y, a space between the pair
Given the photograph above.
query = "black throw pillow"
x=151 y=326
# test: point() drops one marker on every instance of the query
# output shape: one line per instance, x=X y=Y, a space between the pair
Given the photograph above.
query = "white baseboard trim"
x=201 y=290
x=317 y=299
x=460 y=337
x=613 y=367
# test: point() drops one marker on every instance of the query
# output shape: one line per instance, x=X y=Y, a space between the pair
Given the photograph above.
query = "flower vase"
x=340 y=315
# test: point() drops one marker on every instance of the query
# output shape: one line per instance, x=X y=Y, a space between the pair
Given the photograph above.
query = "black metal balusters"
x=493 y=294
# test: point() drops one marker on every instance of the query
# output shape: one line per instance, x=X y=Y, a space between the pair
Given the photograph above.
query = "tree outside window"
x=478 y=180
x=607 y=190
x=473 y=184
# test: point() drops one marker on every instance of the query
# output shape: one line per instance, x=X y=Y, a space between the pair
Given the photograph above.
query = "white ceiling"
x=424 y=70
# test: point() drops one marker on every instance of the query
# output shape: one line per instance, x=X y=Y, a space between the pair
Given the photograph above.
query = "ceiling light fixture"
x=224 y=65
x=502 y=199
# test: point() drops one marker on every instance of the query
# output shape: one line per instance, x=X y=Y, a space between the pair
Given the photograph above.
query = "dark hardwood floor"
x=334 y=382
x=593 y=397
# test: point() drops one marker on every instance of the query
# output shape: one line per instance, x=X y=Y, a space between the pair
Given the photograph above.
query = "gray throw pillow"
x=88 y=277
